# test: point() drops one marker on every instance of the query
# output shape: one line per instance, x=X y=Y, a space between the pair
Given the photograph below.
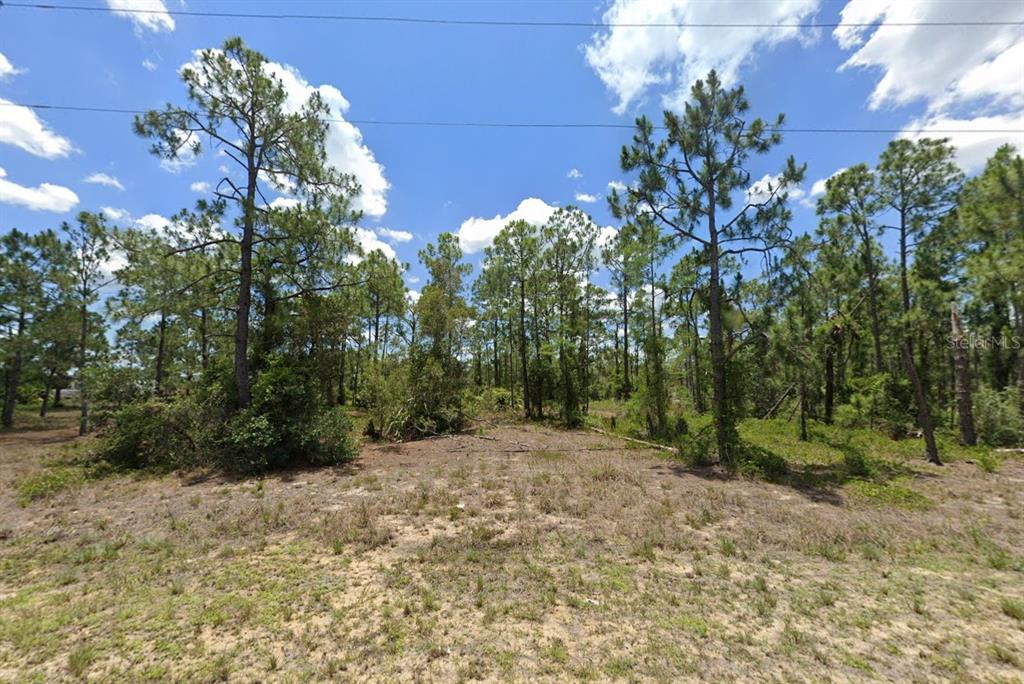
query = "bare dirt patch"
x=520 y=552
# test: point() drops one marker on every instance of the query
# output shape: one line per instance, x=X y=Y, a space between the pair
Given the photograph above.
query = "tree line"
x=244 y=331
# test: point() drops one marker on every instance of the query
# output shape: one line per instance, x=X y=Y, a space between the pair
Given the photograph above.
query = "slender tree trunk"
x=725 y=430
x=830 y=377
x=876 y=326
x=342 y=398
x=14 y=373
x=160 y=349
x=242 y=387
x=968 y=435
x=627 y=389
x=522 y=345
x=924 y=415
x=47 y=381
x=83 y=393
x=204 y=340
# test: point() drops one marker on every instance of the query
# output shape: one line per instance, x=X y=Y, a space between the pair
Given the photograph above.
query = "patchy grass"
x=525 y=554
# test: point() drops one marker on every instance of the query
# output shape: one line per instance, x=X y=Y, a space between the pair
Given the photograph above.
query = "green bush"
x=997 y=416
x=287 y=423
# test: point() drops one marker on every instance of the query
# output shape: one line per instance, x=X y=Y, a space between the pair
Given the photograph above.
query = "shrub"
x=287 y=422
x=997 y=416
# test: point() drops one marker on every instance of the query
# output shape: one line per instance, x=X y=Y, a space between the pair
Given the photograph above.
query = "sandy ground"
x=514 y=553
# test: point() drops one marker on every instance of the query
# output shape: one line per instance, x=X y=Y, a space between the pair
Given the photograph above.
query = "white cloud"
x=43 y=197
x=394 y=235
x=345 y=148
x=186 y=155
x=19 y=126
x=202 y=187
x=969 y=78
x=617 y=186
x=149 y=65
x=574 y=173
x=284 y=203
x=973 y=149
x=939 y=64
x=115 y=214
x=630 y=60
x=412 y=280
x=104 y=179
x=150 y=15
x=153 y=222
x=762 y=190
x=369 y=241
x=412 y=296
x=477 y=233
x=586 y=197
x=605 y=235
x=7 y=69
x=818 y=188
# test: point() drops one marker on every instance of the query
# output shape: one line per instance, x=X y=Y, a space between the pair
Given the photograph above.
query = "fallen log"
x=652 y=445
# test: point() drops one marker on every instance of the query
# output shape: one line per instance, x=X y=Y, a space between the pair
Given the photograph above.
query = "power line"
x=549 y=125
x=500 y=22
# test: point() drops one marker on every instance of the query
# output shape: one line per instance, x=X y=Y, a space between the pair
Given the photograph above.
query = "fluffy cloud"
x=574 y=173
x=394 y=235
x=43 y=197
x=630 y=60
x=153 y=222
x=369 y=241
x=939 y=64
x=761 y=191
x=617 y=186
x=586 y=198
x=605 y=235
x=969 y=78
x=115 y=214
x=145 y=15
x=477 y=233
x=19 y=126
x=973 y=149
x=104 y=179
x=149 y=65
x=345 y=148
x=6 y=68
x=202 y=187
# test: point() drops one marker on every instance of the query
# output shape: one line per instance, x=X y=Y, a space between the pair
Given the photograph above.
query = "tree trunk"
x=160 y=348
x=876 y=326
x=204 y=343
x=342 y=398
x=242 y=387
x=830 y=376
x=522 y=346
x=968 y=435
x=83 y=422
x=14 y=373
x=924 y=415
x=627 y=390
x=46 y=395
x=725 y=430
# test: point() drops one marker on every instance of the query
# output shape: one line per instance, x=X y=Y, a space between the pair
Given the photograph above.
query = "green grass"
x=889 y=494
x=48 y=482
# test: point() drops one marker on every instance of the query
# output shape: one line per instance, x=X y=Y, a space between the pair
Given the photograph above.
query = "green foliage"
x=286 y=424
x=997 y=417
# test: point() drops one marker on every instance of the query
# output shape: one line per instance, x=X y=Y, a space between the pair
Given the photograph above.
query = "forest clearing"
x=514 y=552
x=616 y=340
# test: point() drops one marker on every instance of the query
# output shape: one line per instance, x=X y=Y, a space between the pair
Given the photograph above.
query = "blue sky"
x=422 y=181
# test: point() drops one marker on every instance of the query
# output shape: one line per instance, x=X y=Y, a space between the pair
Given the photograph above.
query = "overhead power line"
x=539 y=124
x=499 y=22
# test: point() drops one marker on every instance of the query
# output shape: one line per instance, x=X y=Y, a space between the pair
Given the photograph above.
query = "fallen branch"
x=778 y=402
x=653 y=445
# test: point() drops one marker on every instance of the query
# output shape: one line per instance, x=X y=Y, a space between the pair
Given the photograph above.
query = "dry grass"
x=523 y=553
